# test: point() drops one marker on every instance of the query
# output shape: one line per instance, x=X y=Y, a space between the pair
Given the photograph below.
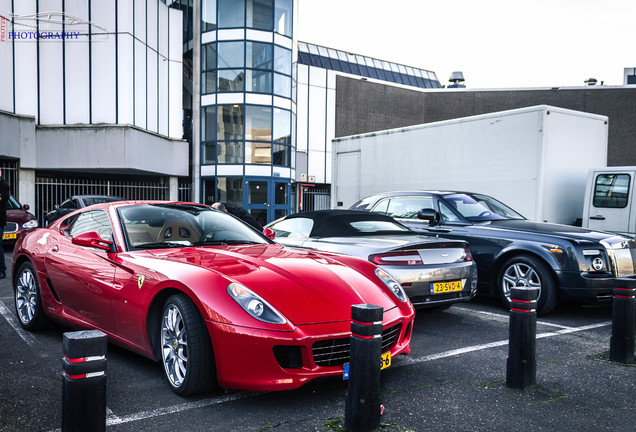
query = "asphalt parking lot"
x=453 y=380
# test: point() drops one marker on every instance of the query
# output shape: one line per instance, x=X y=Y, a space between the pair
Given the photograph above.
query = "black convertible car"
x=565 y=262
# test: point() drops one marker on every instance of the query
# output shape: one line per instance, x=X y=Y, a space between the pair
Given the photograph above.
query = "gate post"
x=623 y=321
x=84 y=386
x=362 y=407
x=522 y=365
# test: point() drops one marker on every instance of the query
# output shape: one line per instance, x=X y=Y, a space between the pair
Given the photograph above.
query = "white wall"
x=129 y=73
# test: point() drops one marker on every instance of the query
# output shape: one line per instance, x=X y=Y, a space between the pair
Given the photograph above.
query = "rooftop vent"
x=590 y=81
x=457 y=80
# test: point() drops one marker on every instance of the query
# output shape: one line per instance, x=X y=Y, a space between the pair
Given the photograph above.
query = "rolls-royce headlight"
x=391 y=284
x=598 y=264
x=254 y=304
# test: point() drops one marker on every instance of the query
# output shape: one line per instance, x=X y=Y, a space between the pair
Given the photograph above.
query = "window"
x=258 y=123
x=611 y=190
x=293 y=228
x=260 y=14
x=230 y=122
x=282 y=60
x=281 y=154
x=231 y=80
x=259 y=55
x=208 y=15
x=258 y=153
x=231 y=13
x=283 y=17
x=282 y=85
x=447 y=214
x=208 y=151
x=96 y=220
x=231 y=54
x=282 y=126
x=208 y=126
x=230 y=152
x=230 y=190
x=407 y=207
x=69 y=204
x=281 y=193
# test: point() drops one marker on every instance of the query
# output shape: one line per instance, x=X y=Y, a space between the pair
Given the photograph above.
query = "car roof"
x=335 y=223
x=98 y=196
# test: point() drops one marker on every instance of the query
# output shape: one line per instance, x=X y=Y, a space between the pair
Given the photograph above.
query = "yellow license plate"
x=9 y=236
x=444 y=287
x=385 y=360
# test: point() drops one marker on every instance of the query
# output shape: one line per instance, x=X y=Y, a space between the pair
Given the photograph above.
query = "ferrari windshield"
x=151 y=226
x=477 y=207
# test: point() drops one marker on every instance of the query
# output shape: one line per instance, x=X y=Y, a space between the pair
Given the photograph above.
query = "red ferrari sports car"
x=214 y=300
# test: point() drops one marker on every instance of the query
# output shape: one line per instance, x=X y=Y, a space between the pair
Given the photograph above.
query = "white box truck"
x=536 y=160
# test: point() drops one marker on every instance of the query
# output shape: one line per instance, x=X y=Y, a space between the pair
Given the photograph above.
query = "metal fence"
x=51 y=191
x=10 y=172
x=314 y=198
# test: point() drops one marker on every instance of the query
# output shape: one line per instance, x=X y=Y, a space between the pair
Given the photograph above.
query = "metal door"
x=610 y=202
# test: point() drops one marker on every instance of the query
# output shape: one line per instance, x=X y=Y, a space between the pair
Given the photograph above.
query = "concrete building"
x=92 y=97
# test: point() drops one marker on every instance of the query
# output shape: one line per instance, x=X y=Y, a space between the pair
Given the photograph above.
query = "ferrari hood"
x=305 y=286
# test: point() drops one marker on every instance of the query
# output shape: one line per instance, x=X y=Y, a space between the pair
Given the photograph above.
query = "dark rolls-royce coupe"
x=566 y=263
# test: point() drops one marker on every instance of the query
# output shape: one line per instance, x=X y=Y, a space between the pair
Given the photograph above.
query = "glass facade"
x=247 y=105
x=328 y=58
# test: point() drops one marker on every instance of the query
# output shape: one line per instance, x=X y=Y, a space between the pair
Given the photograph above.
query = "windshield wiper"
x=152 y=245
x=226 y=242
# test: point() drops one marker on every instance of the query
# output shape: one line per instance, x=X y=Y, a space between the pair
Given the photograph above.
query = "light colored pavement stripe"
x=502 y=316
x=13 y=322
x=112 y=419
x=451 y=353
x=115 y=420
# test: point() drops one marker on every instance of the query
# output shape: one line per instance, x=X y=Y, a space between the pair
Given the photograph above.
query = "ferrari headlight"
x=30 y=224
x=391 y=284
x=254 y=304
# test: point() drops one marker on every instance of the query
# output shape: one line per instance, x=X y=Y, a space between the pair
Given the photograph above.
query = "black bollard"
x=84 y=397
x=522 y=365
x=362 y=407
x=623 y=321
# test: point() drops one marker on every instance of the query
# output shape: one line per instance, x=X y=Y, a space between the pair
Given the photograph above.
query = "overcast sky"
x=495 y=43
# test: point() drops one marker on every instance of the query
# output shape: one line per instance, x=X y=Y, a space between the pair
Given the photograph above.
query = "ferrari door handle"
x=55 y=248
x=597 y=217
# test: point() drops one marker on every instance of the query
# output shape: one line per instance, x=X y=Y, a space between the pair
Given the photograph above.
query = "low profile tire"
x=528 y=271
x=186 y=350
x=28 y=301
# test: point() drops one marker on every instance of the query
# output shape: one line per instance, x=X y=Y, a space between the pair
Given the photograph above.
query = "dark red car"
x=19 y=220
x=203 y=293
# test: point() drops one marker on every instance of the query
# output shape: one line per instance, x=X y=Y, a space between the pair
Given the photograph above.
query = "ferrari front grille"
x=11 y=227
x=335 y=352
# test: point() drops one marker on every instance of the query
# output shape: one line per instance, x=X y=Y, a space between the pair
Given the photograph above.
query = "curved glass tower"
x=247 y=104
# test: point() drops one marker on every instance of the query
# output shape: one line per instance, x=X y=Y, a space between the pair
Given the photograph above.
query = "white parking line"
x=451 y=353
x=27 y=337
x=504 y=317
x=112 y=419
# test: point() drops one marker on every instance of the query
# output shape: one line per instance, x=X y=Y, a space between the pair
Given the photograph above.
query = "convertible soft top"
x=337 y=223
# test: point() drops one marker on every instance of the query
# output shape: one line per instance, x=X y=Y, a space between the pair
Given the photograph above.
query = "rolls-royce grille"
x=335 y=352
x=11 y=227
x=623 y=254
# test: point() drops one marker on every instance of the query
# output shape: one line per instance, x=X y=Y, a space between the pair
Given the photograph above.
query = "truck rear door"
x=610 y=201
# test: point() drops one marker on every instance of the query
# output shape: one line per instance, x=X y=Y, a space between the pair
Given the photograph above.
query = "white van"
x=609 y=200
